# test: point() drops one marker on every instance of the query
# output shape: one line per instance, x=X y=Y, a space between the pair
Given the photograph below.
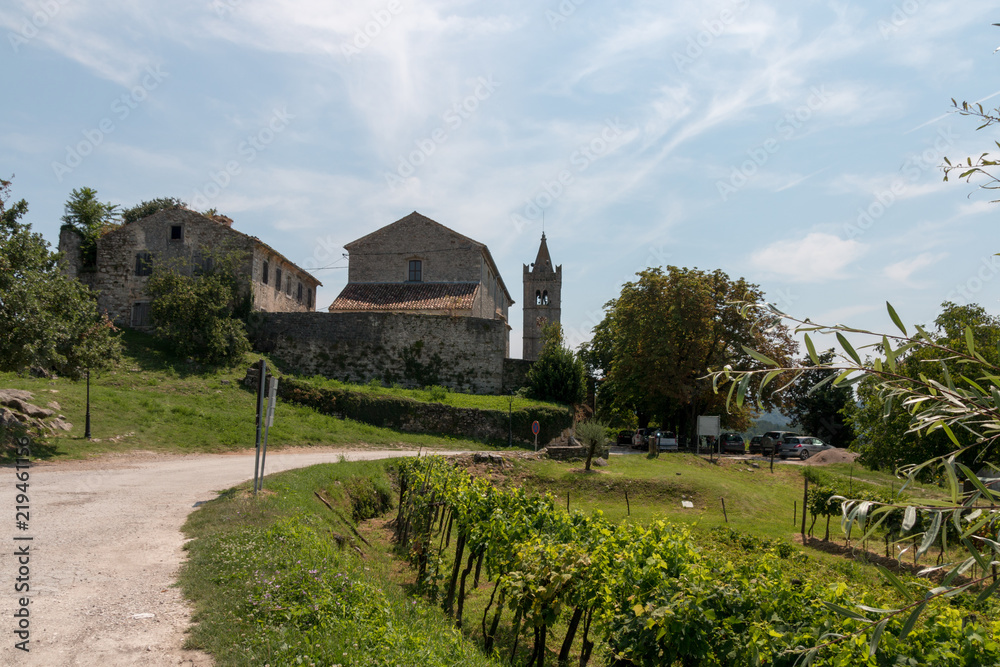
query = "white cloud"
x=816 y=258
x=901 y=271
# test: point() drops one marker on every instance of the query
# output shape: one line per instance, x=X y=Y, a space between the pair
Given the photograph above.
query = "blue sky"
x=795 y=144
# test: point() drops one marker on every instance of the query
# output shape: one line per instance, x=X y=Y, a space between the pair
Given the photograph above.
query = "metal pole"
x=272 y=393
x=86 y=428
x=260 y=418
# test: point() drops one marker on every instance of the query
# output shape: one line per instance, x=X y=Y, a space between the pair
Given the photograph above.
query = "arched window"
x=545 y=298
x=538 y=298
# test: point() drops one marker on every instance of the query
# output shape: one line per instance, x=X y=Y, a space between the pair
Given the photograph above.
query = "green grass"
x=439 y=395
x=157 y=402
x=279 y=580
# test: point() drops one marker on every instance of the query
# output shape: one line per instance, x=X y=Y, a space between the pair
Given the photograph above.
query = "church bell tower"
x=542 y=299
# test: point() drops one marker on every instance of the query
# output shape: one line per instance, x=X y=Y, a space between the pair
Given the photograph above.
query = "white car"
x=666 y=441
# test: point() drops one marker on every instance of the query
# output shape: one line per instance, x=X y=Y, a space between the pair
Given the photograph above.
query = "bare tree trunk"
x=479 y=567
x=449 y=600
x=461 y=588
x=567 y=644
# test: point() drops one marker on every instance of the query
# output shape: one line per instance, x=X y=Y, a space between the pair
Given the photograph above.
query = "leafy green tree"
x=661 y=336
x=885 y=440
x=198 y=313
x=90 y=218
x=46 y=319
x=592 y=434
x=820 y=412
x=148 y=208
x=558 y=374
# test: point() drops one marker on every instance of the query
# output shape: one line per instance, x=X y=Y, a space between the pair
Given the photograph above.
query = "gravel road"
x=105 y=550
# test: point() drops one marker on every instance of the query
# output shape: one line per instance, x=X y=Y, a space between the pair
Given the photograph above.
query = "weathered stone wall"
x=515 y=374
x=462 y=353
x=406 y=414
x=70 y=243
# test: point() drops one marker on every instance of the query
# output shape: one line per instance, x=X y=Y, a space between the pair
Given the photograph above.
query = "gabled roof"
x=406 y=296
x=415 y=217
x=543 y=261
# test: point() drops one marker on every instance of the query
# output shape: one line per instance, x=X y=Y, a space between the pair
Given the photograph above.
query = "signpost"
x=535 y=428
x=708 y=426
x=262 y=370
x=272 y=393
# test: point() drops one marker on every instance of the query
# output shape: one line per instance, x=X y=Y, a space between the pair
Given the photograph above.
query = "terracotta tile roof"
x=406 y=296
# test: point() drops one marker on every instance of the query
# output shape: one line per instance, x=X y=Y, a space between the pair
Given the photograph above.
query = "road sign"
x=535 y=428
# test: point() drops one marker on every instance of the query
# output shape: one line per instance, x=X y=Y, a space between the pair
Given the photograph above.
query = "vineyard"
x=579 y=589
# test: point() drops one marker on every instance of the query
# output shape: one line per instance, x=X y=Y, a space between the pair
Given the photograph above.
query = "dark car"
x=624 y=438
x=731 y=443
x=755 y=446
x=802 y=447
x=771 y=442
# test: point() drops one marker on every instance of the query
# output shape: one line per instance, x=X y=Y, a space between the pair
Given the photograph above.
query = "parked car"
x=666 y=441
x=731 y=443
x=802 y=447
x=755 y=446
x=771 y=442
x=624 y=437
x=639 y=438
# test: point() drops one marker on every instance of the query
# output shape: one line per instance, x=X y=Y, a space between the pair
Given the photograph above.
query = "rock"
x=62 y=425
x=599 y=462
x=8 y=418
x=39 y=372
x=11 y=394
x=687 y=504
x=29 y=409
x=55 y=406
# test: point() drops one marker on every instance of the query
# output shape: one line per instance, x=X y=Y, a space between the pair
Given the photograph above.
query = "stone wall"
x=462 y=353
x=515 y=375
x=406 y=414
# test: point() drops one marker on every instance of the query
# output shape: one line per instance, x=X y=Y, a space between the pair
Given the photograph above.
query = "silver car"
x=802 y=447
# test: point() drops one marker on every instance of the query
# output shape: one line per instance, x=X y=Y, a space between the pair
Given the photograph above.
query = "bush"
x=558 y=374
x=592 y=434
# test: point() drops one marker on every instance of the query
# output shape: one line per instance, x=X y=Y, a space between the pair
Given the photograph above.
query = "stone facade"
x=186 y=239
x=542 y=300
x=462 y=353
x=417 y=251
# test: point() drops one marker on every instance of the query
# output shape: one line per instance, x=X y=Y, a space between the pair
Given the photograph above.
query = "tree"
x=884 y=437
x=661 y=336
x=148 y=208
x=46 y=319
x=198 y=312
x=820 y=413
x=90 y=219
x=558 y=374
x=592 y=433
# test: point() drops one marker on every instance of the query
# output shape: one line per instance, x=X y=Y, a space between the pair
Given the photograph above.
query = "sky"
x=795 y=144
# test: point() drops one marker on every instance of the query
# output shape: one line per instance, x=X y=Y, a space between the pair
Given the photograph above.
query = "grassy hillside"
x=155 y=401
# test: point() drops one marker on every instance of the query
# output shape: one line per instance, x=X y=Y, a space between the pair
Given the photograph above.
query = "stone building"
x=186 y=238
x=418 y=266
x=542 y=300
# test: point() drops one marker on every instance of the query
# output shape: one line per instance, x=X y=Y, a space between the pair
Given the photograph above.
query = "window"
x=309 y=297
x=538 y=298
x=143 y=264
x=288 y=286
x=298 y=293
x=140 y=314
x=203 y=264
x=545 y=298
x=263 y=275
x=416 y=271
x=176 y=232
x=277 y=280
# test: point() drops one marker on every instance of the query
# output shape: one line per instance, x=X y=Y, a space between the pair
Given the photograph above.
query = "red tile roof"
x=406 y=296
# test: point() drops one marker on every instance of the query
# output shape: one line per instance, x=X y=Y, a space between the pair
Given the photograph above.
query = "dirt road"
x=105 y=549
